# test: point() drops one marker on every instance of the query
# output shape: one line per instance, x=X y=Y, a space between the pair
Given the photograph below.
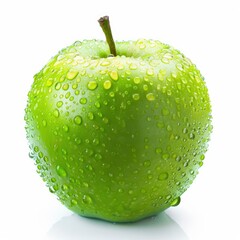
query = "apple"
x=118 y=130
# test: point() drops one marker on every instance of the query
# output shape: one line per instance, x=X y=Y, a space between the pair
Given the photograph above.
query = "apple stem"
x=105 y=25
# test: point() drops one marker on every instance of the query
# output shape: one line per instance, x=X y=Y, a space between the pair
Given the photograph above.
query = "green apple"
x=118 y=134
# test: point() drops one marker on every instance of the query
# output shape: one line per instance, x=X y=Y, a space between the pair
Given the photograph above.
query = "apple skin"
x=118 y=138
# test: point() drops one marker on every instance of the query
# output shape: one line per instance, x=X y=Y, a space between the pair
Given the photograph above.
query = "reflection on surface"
x=76 y=227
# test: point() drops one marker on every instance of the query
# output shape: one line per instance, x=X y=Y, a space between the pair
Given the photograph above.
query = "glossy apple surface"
x=118 y=138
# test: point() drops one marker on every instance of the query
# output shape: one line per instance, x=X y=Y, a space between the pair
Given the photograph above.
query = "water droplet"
x=49 y=82
x=74 y=86
x=150 y=72
x=64 y=187
x=36 y=149
x=74 y=202
x=95 y=141
x=168 y=197
x=150 y=97
x=150 y=176
x=145 y=87
x=98 y=156
x=133 y=66
x=65 y=86
x=83 y=101
x=89 y=167
x=185 y=130
x=114 y=75
x=176 y=202
x=130 y=192
x=111 y=94
x=105 y=120
x=59 y=104
x=105 y=63
x=178 y=158
x=158 y=150
x=202 y=157
x=97 y=104
x=165 y=60
x=90 y=115
x=58 y=86
x=137 y=80
x=92 y=85
x=120 y=190
x=78 y=120
x=56 y=113
x=165 y=156
x=169 y=128
x=44 y=123
x=165 y=112
x=61 y=171
x=107 y=84
x=163 y=176
x=72 y=74
x=179 y=67
x=40 y=154
x=191 y=135
x=65 y=128
x=87 y=199
x=141 y=44
x=147 y=163
x=135 y=96
x=185 y=164
x=51 y=189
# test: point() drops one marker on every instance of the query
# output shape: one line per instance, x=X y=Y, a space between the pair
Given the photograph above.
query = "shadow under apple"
x=74 y=227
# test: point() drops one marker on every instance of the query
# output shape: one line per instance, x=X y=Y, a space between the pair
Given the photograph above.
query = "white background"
x=206 y=31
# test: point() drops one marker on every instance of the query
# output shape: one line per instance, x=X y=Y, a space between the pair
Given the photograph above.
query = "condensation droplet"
x=56 y=113
x=72 y=74
x=64 y=187
x=65 y=86
x=150 y=72
x=165 y=112
x=191 y=135
x=107 y=84
x=59 y=104
x=114 y=75
x=150 y=97
x=92 y=85
x=178 y=158
x=158 y=150
x=65 y=128
x=130 y=192
x=44 y=123
x=58 y=86
x=105 y=63
x=49 y=82
x=74 y=202
x=147 y=163
x=97 y=104
x=87 y=199
x=133 y=66
x=163 y=176
x=165 y=156
x=135 y=96
x=83 y=100
x=176 y=202
x=185 y=130
x=61 y=171
x=78 y=120
x=137 y=80
x=90 y=115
